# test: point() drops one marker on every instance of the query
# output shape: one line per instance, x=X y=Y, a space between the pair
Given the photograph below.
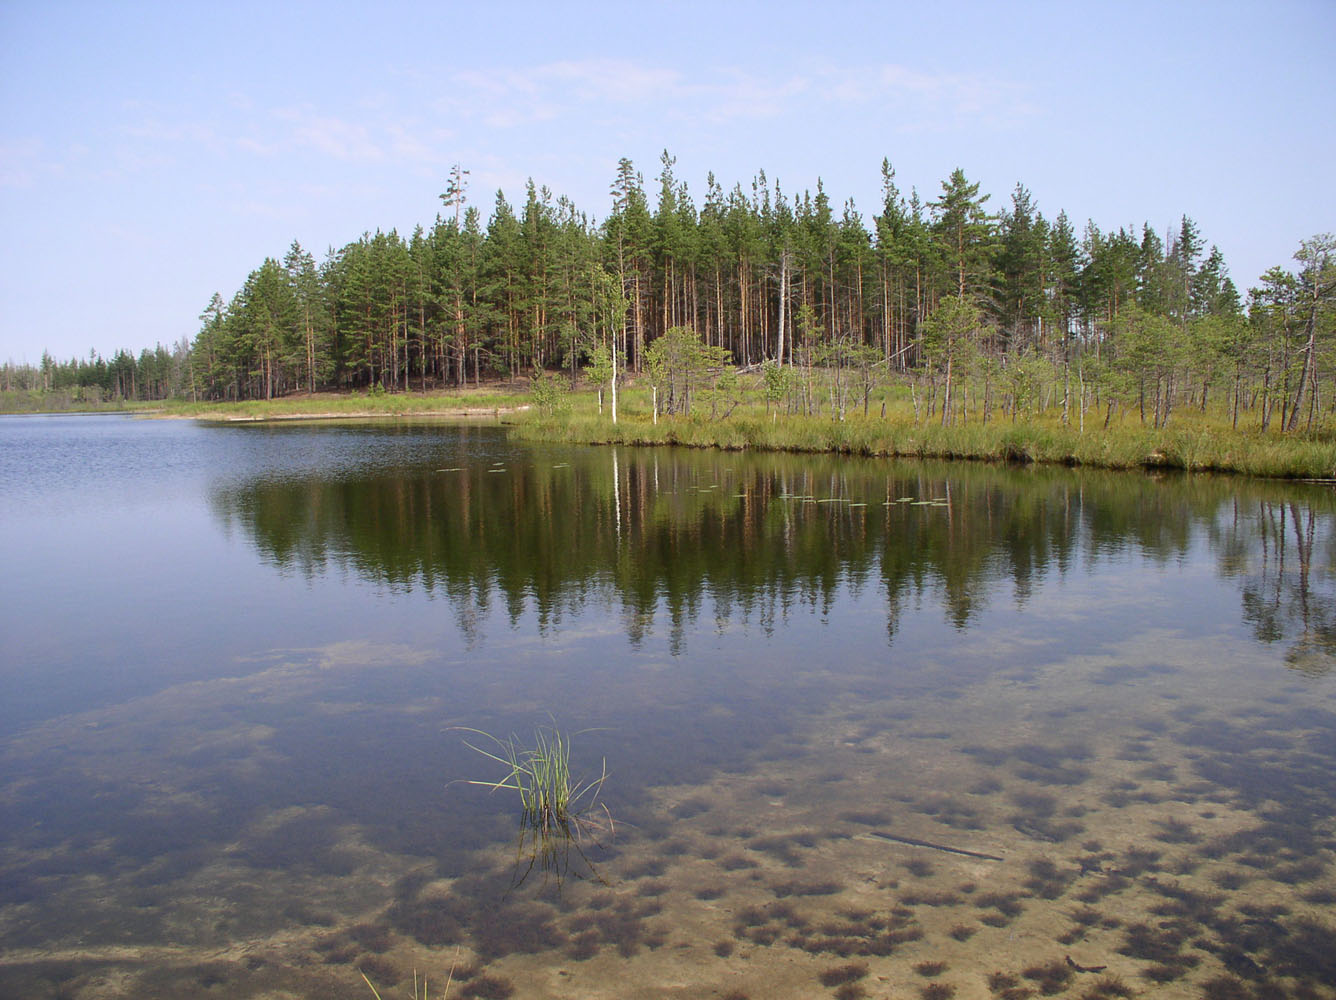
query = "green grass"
x=357 y=404
x=552 y=799
x=423 y=995
x=1193 y=441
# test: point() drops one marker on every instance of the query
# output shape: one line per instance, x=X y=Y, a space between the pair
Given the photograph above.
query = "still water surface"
x=873 y=729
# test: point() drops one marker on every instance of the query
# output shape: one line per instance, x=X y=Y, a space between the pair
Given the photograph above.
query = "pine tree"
x=965 y=234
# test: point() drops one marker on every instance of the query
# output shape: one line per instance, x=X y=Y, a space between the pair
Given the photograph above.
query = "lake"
x=871 y=728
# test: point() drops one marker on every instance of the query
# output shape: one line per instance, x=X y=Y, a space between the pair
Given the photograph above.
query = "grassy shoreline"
x=459 y=403
x=1122 y=448
x=319 y=406
x=1194 y=442
x=24 y=404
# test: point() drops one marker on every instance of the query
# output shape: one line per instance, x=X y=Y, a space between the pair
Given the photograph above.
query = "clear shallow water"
x=861 y=718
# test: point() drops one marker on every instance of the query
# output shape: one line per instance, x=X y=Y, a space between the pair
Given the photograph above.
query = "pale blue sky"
x=154 y=153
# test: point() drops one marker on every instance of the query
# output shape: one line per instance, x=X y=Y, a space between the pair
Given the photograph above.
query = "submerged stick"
x=913 y=842
x=1084 y=968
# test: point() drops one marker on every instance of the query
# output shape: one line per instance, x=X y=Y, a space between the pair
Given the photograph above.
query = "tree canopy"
x=932 y=292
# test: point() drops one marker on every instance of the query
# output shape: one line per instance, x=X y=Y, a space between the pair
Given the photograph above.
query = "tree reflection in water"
x=658 y=533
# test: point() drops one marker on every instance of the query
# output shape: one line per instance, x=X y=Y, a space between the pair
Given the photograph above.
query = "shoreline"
x=1192 y=445
x=465 y=413
x=1129 y=449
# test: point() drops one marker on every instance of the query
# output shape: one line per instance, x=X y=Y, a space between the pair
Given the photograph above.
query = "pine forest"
x=973 y=308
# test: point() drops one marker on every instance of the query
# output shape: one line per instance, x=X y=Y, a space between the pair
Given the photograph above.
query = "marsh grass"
x=1194 y=443
x=552 y=799
x=335 y=405
x=449 y=979
x=559 y=810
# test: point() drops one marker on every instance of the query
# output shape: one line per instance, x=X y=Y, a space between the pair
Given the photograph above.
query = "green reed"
x=449 y=979
x=1193 y=443
x=550 y=795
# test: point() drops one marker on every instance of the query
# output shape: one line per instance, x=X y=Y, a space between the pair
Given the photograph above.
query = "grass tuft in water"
x=423 y=995
x=552 y=798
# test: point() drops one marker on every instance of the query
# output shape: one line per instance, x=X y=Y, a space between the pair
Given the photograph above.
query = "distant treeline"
x=155 y=374
x=944 y=293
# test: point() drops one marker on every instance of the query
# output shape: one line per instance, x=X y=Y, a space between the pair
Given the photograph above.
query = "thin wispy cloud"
x=256 y=147
x=619 y=81
x=368 y=137
x=131 y=159
x=468 y=104
x=420 y=148
x=743 y=95
x=949 y=98
x=331 y=135
x=515 y=97
x=21 y=161
x=158 y=131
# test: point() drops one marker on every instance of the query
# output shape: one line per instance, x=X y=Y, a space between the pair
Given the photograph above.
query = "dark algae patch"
x=840 y=974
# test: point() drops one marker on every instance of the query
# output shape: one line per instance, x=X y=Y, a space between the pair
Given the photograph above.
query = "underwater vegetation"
x=1051 y=977
x=846 y=934
x=471 y=914
x=1162 y=947
x=796 y=888
x=1107 y=987
x=1005 y=908
x=919 y=867
x=1047 y=880
x=489 y=988
x=784 y=848
x=840 y=974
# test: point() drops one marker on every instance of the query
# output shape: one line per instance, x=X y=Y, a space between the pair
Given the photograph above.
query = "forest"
x=971 y=308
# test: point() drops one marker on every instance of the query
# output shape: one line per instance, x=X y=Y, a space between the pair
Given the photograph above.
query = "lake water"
x=872 y=729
